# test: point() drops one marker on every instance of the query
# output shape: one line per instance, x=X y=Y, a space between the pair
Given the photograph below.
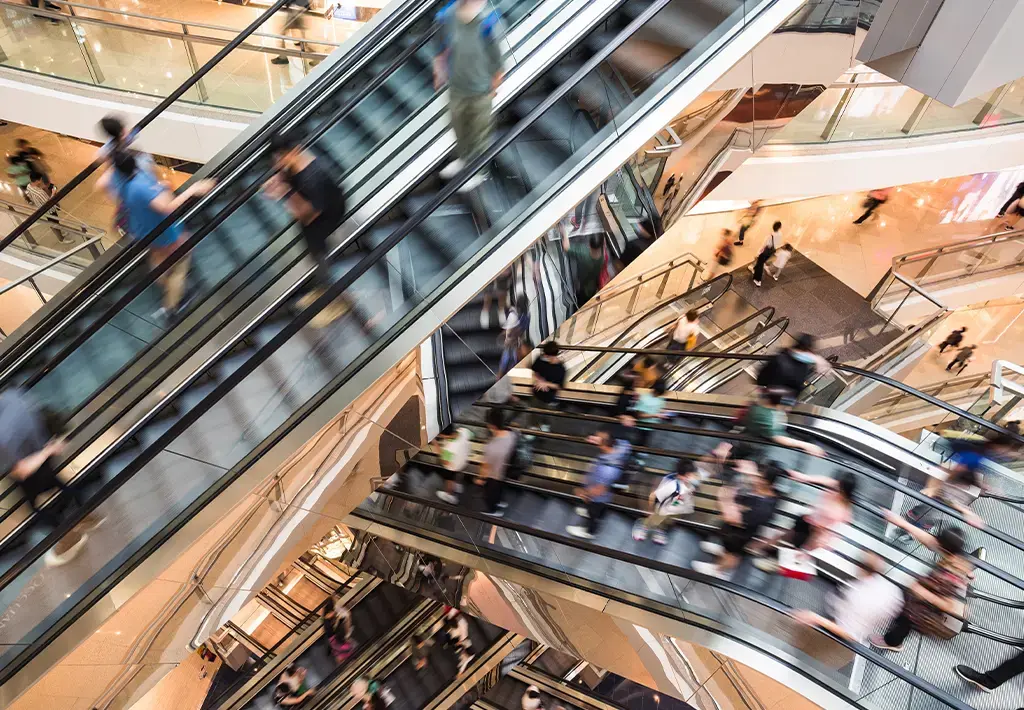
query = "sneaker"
x=452 y=169
x=878 y=641
x=448 y=497
x=767 y=564
x=710 y=569
x=981 y=680
x=499 y=513
x=712 y=548
x=545 y=428
x=279 y=60
x=737 y=244
x=582 y=511
x=758 y=284
x=502 y=505
x=54 y=558
x=659 y=537
x=579 y=531
x=775 y=276
x=473 y=183
x=501 y=319
x=485 y=320
x=639 y=531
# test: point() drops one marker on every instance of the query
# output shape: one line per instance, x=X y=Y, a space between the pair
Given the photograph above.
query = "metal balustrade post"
x=193 y=65
x=83 y=44
x=916 y=115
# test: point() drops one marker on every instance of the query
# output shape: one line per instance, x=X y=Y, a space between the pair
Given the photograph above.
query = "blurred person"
x=370 y=695
x=1014 y=212
x=531 y=699
x=671 y=498
x=337 y=621
x=291 y=689
x=118 y=140
x=789 y=370
x=453 y=448
x=938 y=594
x=548 y=379
x=867 y=603
x=722 y=256
x=19 y=173
x=32 y=156
x=1017 y=194
x=597 y=485
x=645 y=371
x=962 y=359
x=499 y=288
x=516 y=331
x=589 y=262
x=650 y=407
x=782 y=257
x=771 y=243
x=43 y=5
x=874 y=200
x=313 y=198
x=953 y=340
x=990 y=680
x=766 y=419
x=470 y=62
x=747 y=219
x=38 y=193
x=419 y=650
x=672 y=181
x=497 y=454
x=747 y=501
x=294 y=24
x=687 y=328
x=146 y=204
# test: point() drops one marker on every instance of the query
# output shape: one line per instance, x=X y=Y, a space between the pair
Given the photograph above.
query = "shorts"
x=735 y=539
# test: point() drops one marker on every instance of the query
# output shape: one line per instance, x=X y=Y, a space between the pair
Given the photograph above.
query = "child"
x=672 y=497
x=782 y=257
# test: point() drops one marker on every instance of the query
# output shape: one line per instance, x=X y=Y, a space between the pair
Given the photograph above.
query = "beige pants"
x=473 y=123
x=173 y=280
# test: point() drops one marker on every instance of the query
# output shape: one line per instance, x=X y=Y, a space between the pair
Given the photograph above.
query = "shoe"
x=161 y=316
x=767 y=564
x=57 y=559
x=758 y=284
x=485 y=320
x=712 y=548
x=447 y=498
x=710 y=569
x=501 y=319
x=879 y=642
x=499 y=513
x=659 y=537
x=579 y=531
x=545 y=428
x=775 y=277
x=737 y=244
x=981 y=680
x=92 y=522
x=582 y=512
x=279 y=60
x=452 y=169
x=639 y=531
x=502 y=505
x=473 y=183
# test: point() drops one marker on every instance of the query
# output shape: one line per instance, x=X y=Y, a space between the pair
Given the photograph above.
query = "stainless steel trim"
x=49 y=265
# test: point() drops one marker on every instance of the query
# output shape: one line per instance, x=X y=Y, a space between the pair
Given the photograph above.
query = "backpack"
x=677 y=501
x=785 y=371
x=522 y=457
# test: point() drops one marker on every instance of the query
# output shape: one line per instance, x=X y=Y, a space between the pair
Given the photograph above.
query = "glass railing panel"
x=876 y=112
x=248 y=79
x=42 y=45
x=1010 y=107
x=939 y=118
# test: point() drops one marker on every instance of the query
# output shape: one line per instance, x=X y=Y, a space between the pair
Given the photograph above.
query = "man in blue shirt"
x=597 y=486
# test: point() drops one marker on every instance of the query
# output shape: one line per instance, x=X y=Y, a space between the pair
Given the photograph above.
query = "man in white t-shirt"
x=867 y=604
x=684 y=336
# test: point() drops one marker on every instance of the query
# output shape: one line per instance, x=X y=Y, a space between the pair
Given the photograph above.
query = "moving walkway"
x=257 y=351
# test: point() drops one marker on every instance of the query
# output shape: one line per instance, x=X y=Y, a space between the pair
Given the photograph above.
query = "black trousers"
x=494 y=489
x=596 y=511
x=316 y=235
x=43 y=480
x=872 y=205
x=743 y=232
x=1008 y=669
x=762 y=259
x=899 y=629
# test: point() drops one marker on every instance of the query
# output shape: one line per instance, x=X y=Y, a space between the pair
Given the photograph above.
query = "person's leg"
x=492 y=495
x=898 y=630
x=759 y=268
x=174 y=283
x=481 y=124
x=872 y=204
x=315 y=236
x=595 y=512
x=951 y=364
x=1007 y=670
x=458 y=106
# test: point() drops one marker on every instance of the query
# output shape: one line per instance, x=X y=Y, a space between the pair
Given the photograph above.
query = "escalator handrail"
x=748 y=439
x=238 y=156
x=701 y=370
x=668 y=569
x=328 y=296
x=851 y=369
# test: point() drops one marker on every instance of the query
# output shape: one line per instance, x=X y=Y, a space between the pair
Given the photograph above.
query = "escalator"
x=229 y=407
x=751 y=607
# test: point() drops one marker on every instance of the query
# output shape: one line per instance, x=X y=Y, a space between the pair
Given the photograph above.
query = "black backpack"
x=785 y=371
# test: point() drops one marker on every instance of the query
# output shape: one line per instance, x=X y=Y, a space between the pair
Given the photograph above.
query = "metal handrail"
x=30 y=276
x=922 y=254
x=69 y=223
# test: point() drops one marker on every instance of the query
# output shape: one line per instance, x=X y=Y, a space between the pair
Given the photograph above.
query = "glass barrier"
x=973 y=257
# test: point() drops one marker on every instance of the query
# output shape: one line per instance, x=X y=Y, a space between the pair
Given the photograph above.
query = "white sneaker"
x=774 y=275
x=485 y=320
x=710 y=569
x=55 y=559
x=452 y=169
x=502 y=505
x=579 y=531
x=639 y=531
x=448 y=497
x=582 y=511
x=660 y=537
x=758 y=284
x=474 y=182
x=712 y=548
x=499 y=513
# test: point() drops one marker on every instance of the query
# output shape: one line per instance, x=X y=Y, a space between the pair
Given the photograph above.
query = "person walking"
x=766 y=419
x=874 y=200
x=747 y=220
x=962 y=359
x=19 y=173
x=597 y=485
x=789 y=370
x=312 y=197
x=471 y=63
x=147 y=203
x=548 y=379
x=1013 y=215
x=419 y=650
x=497 y=454
x=684 y=335
x=32 y=156
x=782 y=257
x=588 y=262
x=672 y=497
x=292 y=690
x=953 y=340
x=516 y=329
x=990 y=680
x=38 y=192
x=1017 y=194
x=294 y=25
x=453 y=447
x=722 y=256
x=768 y=248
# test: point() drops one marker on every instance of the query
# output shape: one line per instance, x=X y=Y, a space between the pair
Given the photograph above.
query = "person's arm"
x=809 y=618
x=946 y=604
x=496 y=52
x=915 y=532
x=727 y=504
x=441 y=58
x=652 y=502
x=824 y=481
x=812 y=449
x=566 y=247
x=166 y=202
x=30 y=464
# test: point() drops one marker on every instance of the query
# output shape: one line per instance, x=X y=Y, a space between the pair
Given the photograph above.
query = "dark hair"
x=773 y=397
x=282 y=143
x=604 y=435
x=743 y=452
x=787 y=246
x=522 y=305
x=124 y=163
x=646 y=360
x=596 y=241
x=659 y=386
x=113 y=127
x=692 y=315
x=21 y=142
x=551 y=348
x=772 y=472
x=418 y=638
x=685 y=467
x=496 y=418
x=965 y=476
x=291 y=668
x=532 y=693
x=777 y=226
x=15 y=160
x=951 y=540
x=847 y=486
x=35 y=175
x=805 y=341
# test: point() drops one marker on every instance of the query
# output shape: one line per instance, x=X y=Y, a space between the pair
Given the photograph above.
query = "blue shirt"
x=136 y=195
x=607 y=469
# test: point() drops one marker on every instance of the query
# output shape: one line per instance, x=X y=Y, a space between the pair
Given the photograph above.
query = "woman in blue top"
x=145 y=203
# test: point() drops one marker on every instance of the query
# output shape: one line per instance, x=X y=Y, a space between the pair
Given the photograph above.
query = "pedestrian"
x=471 y=62
x=671 y=498
x=990 y=680
x=789 y=370
x=747 y=501
x=766 y=419
x=685 y=332
x=291 y=689
x=962 y=359
x=19 y=173
x=419 y=650
x=650 y=407
x=596 y=491
x=453 y=447
x=771 y=243
x=146 y=204
x=645 y=371
x=498 y=289
x=670 y=182
x=548 y=379
x=294 y=25
x=868 y=603
x=931 y=599
x=1017 y=194
x=497 y=454
x=516 y=328
x=370 y=695
x=32 y=156
x=38 y=193
x=312 y=196
x=953 y=340
x=531 y=699
x=722 y=256
x=1014 y=214
x=874 y=200
x=747 y=220
x=782 y=257
x=588 y=262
